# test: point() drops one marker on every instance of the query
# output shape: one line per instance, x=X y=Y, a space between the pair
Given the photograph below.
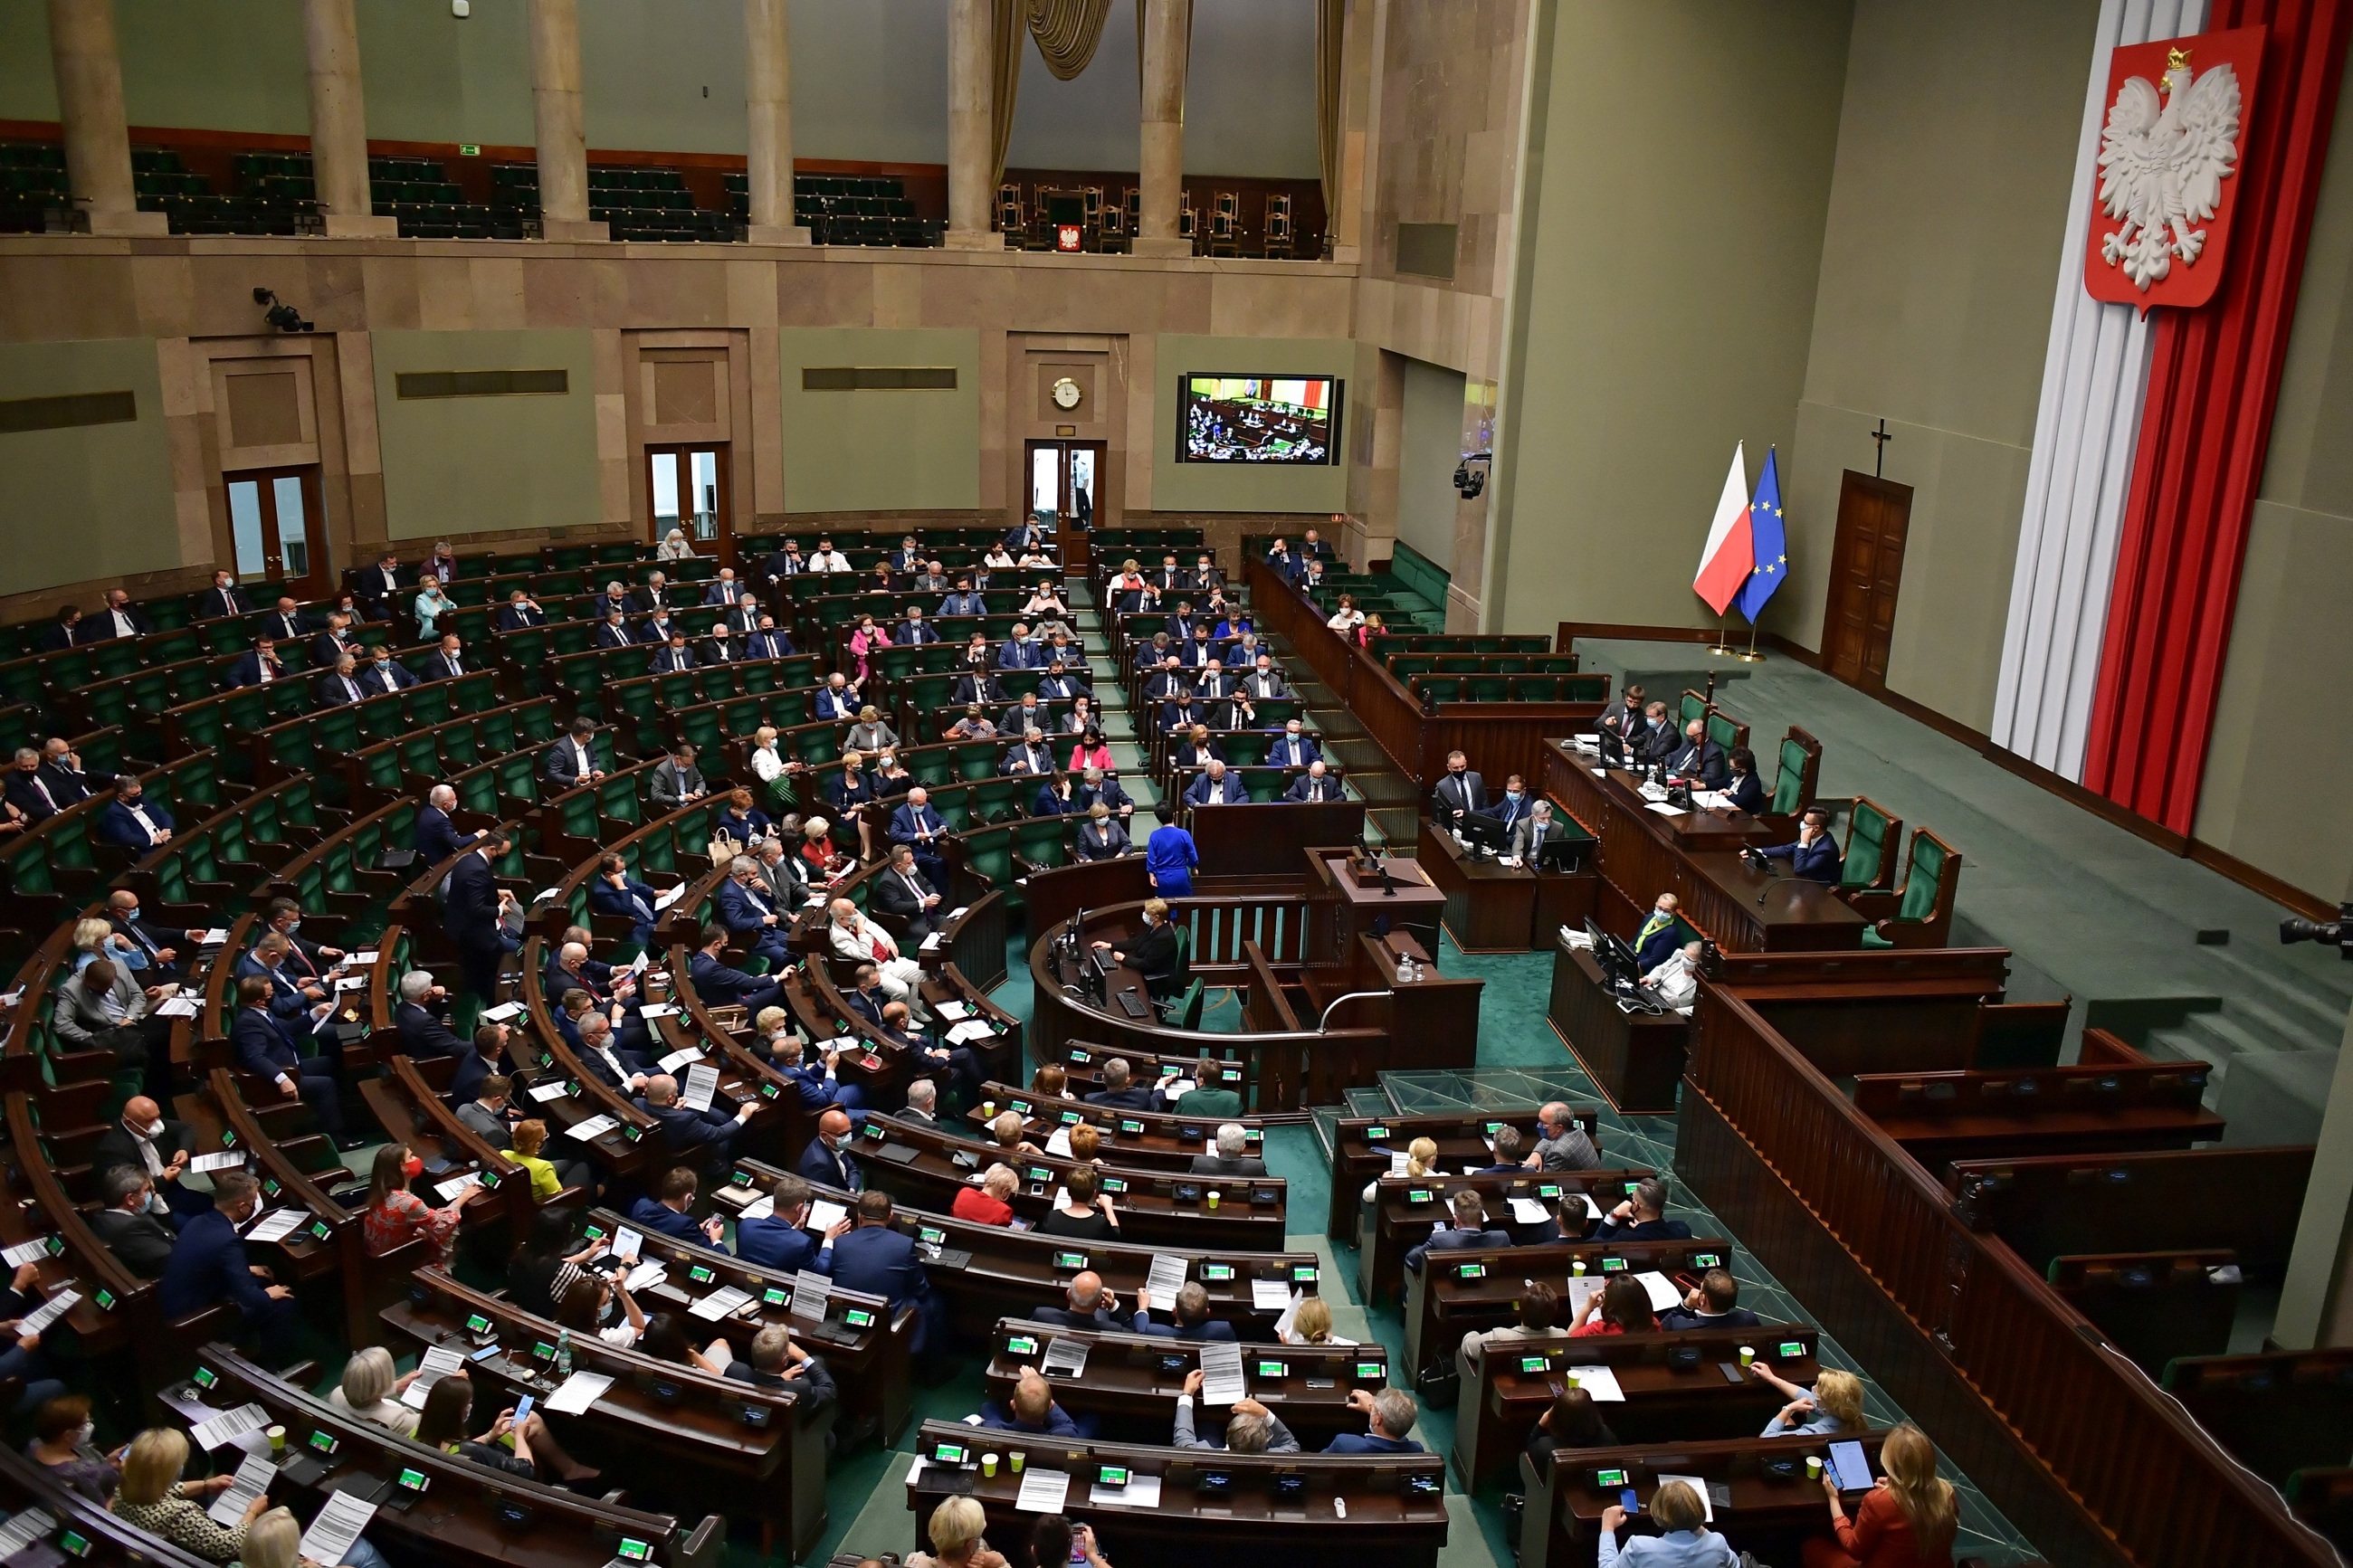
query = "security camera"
x=2336 y=934
x=1469 y=481
x=285 y=318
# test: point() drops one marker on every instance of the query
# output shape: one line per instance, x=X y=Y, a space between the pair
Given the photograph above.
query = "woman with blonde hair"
x=154 y=1498
x=1907 y=1521
x=1312 y=1325
x=275 y=1540
x=371 y=1390
x=529 y=1137
x=1834 y=1405
x=675 y=546
x=957 y=1525
x=1421 y=1159
x=1684 y=1541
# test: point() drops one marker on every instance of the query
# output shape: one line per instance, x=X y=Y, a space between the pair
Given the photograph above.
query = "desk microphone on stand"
x=1758 y=862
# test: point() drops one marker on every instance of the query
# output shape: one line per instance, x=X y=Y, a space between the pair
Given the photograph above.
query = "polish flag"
x=1730 y=555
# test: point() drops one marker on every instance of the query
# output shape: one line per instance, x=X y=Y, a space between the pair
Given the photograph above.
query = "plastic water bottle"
x=563 y=1354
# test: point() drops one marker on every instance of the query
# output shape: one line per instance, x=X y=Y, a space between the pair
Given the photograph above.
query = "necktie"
x=267 y=674
x=46 y=798
x=351 y=690
x=455 y=668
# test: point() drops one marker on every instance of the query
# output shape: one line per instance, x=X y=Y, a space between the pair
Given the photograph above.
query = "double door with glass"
x=277 y=529
x=1064 y=478
x=688 y=489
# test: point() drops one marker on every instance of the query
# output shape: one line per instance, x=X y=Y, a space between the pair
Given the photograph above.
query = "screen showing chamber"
x=1258 y=420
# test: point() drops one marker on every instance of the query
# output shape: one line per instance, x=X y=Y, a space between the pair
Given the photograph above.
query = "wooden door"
x=686 y=488
x=1866 y=567
x=276 y=526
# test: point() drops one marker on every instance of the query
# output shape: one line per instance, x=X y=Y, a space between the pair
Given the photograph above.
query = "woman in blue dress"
x=1169 y=858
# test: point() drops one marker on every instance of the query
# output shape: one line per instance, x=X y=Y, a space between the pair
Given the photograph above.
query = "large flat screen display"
x=1258 y=420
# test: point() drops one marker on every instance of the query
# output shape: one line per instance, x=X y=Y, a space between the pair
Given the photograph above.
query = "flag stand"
x=1722 y=648
x=1750 y=654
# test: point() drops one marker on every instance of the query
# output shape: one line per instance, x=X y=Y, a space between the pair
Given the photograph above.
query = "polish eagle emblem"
x=2163 y=158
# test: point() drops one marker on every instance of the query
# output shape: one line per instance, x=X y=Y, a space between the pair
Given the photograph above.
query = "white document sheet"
x=25 y=1252
x=679 y=1059
x=1697 y=1484
x=540 y=1093
x=229 y=1425
x=1165 y=1278
x=1270 y=1295
x=702 y=1083
x=719 y=1303
x=438 y=1363
x=336 y=1529
x=502 y=1012
x=456 y=1187
x=1528 y=1211
x=278 y=1224
x=588 y=1131
x=646 y=1275
x=811 y=1292
x=1042 y=1491
x=39 y=1320
x=252 y=1478
x=1065 y=1358
x=1221 y=1373
x=1599 y=1382
x=220 y=1160
x=580 y=1391
x=824 y=1215
x=1662 y=1290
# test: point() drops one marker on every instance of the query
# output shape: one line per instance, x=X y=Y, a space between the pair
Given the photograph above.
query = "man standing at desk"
x=1815 y=854
x=1458 y=795
x=1531 y=833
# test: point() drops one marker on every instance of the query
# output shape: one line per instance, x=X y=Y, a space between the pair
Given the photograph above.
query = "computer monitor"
x=1616 y=959
x=1485 y=831
x=1559 y=852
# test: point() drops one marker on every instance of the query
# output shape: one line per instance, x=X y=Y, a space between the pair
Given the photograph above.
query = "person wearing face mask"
x=209 y=1267
x=396 y=1217
x=1512 y=809
x=61 y=1447
x=1154 y=952
x=1663 y=934
x=1657 y=740
x=828 y=1160
x=143 y=1140
x=1459 y=795
x=1815 y=854
x=129 y=1224
x=1742 y=788
x=383 y=675
x=1297 y=749
x=430 y=605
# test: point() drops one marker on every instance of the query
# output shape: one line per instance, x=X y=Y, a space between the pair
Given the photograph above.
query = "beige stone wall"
x=2291 y=657
x=495 y=465
x=1946 y=215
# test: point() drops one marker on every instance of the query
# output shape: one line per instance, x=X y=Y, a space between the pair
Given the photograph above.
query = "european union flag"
x=1768 y=541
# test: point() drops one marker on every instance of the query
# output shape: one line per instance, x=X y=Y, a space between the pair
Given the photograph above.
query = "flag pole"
x=1750 y=654
x=1722 y=647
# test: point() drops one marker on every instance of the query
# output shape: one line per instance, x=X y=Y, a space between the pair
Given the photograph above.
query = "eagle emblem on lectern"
x=2163 y=158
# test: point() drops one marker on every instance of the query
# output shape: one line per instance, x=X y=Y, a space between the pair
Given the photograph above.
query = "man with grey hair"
x=29 y=791
x=1251 y=1428
x=1121 y=1092
x=601 y=1060
x=922 y=1100
x=1561 y=1143
x=746 y=907
x=341 y=685
x=422 y=1018
x=1232 y=1158
x=437 y=838
x=140 y=1237
x=1390 y=1415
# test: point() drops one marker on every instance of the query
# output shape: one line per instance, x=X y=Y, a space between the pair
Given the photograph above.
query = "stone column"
x=90 y=104
x=971 y=139
x=768 y=98
x=330 y=40
x=562 y=142
x=1166 y=33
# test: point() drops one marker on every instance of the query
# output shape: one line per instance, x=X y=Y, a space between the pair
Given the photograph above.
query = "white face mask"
x=153 y=1130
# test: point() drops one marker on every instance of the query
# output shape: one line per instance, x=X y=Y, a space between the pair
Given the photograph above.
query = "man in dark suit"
x=673 y=657
x=287 y=623
x=703 y=1136
x=29 y=791
x=1233 y=1157
x=914 y=631
x=157 y=1148
x=1470 y=1229
x=208 y=1267
x=572 y=762
x=1021 y=651
x=61 y=769
x=1215 y=787
x=663 y=1210
x=446 y=663
x=720 y=985
x=383 y=675
x=258 y=665
x=920 y=828
x=978 y=687
x=838 y=699
x=903 y=893
x=437 y=838
x=742 y=618
x=1713 y=1303
x=778 y=1241
x=1189 y=1315
x=866 y=997
x=470 y=911
x=223 y=598
x=1313 y=785
x=1697 y=757
x=723 y=589
x=613 y=892
x=651 y=599
x=1296 y=748
x=167 y=949
x=751 y=916
x=1642 y=1216
x=1815 y=854
x=120 y=618
x=334 y=642
x=827 y=1162
x=767 y=642
x=1087 y=1305
x=140 y=1239
x=341 y=684
x=483 y=1061
x=131 y=820
x=1459 y=794
x=613 y=631
x=522 y=613
x=1531 y=832
x=876 y=1260
x=1655 y=738
x=1120 y=1091
x=422 y=1018
x=380 y=585
x=264 y=1049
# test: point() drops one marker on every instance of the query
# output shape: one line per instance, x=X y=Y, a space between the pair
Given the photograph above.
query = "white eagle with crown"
x=2162 y=167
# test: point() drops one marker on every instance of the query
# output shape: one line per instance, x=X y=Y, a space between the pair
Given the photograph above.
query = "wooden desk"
x=1131 y=1381
x=1635 y=1058
x=1362 y=1145
x=1244 y=840
x=1145 y=1140
x=1771 y=1515
x=1212 y=1507
x=1696 y=856
x=1343 y=906
x=1490 y=907
x=1442 y=1305
x=1515 y=1383
x=1404 y=1210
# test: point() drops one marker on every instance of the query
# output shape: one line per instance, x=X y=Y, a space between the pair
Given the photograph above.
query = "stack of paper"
x=229 y=1426
x=1270 y=1295
x=1697 y=1484
x=679 y=1059
x=278 y=1224
x=1221 y=1373
x=580 y=1391
x=950 y=1010
x=25 y=1528
x=1064 y=1358
x=1662 y=1290
x=540 y=1093
x=702 y=1083
x=969 y=1030
x=365 y=959
x=180 y=1007
x=501 y=1013
x=659 y=1010
x=39 y=1320
x=1599 y=1382
x=1165 y=1278
x=220 y=1160
x=438 y=1363
x=758 y=1209
x=336 y=1529
x=720 y=1302
x=588 y=1131
x=1527 y=1211
x=1042 y=1491
x=811 y=1292
x=252 y=1479
x=456 y=1187
x=646 y=1275
x=25 y=1252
